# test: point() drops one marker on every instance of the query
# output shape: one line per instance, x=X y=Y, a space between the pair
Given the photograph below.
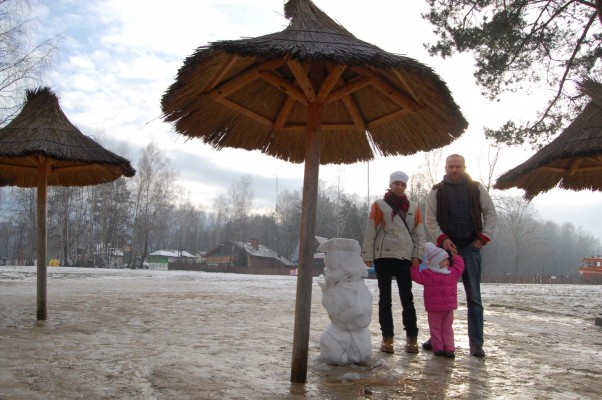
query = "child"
x=440 y=283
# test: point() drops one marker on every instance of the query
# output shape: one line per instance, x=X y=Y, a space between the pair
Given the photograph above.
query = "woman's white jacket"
x=387 y=236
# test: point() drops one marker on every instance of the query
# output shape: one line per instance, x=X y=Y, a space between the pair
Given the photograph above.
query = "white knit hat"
x=398 y=176
x=434 y=256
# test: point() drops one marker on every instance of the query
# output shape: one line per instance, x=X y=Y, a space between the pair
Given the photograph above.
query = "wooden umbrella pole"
x=41 y=251
x=308 y=227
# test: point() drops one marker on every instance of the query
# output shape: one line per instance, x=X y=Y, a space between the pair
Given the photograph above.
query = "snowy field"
x=139 y=334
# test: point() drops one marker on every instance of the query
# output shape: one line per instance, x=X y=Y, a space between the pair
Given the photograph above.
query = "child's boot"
x=387 y=345
x=411 y=344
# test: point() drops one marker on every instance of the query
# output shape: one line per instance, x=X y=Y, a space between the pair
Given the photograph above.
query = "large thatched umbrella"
x=311 y=93
x=571 y=161
x=41 y=147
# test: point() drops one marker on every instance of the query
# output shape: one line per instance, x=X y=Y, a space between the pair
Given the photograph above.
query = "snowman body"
x=348 y=302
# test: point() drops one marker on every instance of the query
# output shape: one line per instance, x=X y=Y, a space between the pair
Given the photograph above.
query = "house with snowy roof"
x=246 y=257
x=161 y=258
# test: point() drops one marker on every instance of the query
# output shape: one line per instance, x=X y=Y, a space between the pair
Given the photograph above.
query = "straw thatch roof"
x=254 y=93
x=571 y=161
x=42 y=129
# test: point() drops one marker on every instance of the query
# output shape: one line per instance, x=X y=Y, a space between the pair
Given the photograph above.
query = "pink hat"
x=434 y=256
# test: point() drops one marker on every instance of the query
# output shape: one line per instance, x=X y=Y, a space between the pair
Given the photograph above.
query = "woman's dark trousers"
x=386 y=269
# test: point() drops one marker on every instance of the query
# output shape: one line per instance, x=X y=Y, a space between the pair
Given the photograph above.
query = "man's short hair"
x=455 y=156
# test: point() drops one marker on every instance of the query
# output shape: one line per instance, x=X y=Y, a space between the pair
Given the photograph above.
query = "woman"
x=394 y=241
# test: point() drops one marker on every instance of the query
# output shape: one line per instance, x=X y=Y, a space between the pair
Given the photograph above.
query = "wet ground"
x=131 y=334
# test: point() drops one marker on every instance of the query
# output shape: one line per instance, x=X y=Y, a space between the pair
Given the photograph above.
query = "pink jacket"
x=440 y=290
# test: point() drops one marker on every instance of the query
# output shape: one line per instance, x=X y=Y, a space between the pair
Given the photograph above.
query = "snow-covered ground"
x=138 y=334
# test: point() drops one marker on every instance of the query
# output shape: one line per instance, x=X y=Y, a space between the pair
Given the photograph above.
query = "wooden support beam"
x=18 y=167
x=300 y=74
x=70 y=168
x=386 y=118
x=554 y=169
x=293 y=128
x=285 y=86
x=407 y=87
x=394 y=94
x=574 y=167
x=565 y=171
x=350 y=87
x=334 y=73
x=285 y=111
x=596 y=159
x=239 y=81
x=325 y=127
x=338 y=127
x=219 y=75
x=247 y=112
x=591 y=169
x=357 y=118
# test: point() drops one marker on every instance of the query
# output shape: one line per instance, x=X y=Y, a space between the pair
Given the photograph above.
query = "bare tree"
x=218 y=218
x=354 y=215
x=240 y=203
x=188 y=225
x=152 y=189
x=22 y=60
x=25 y=211
x=341 y=214
x=493 y=155
x=59 y=210
x=429 y=168
x=518 y=226
x=289 y=221
x=326 y=217
x=419 y=188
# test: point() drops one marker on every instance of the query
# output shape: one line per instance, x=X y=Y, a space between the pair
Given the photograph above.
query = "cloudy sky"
x=117 y=58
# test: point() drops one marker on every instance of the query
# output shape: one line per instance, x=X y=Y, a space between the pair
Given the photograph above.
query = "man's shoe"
x=477 y=351
x=387 y=345
x=411 y=344
x=427 y=345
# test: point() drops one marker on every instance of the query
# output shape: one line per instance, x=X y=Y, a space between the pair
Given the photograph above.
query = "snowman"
x=348 y=302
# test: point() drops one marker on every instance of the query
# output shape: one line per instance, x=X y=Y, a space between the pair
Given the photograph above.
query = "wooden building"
x=245 y=258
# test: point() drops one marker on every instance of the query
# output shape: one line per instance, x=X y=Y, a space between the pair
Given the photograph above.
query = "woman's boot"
x=387 y=345
x=411 y=344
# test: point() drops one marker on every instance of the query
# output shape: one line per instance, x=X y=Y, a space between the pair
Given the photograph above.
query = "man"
x=461 y=217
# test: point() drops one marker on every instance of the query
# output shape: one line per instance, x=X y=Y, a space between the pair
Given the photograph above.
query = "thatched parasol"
x=311 y=93
x=571 y=161
x=41 y=147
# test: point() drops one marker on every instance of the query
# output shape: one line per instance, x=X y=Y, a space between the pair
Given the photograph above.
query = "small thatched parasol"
x=41 y=147
x=571 y=161
x=311 y=93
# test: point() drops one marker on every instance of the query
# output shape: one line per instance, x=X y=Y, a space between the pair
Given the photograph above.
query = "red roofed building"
x=591 y=267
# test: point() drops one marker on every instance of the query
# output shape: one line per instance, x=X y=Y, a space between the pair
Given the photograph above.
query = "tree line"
x=151 y=212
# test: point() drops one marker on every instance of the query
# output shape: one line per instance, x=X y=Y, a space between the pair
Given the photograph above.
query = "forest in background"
x=150 y=212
